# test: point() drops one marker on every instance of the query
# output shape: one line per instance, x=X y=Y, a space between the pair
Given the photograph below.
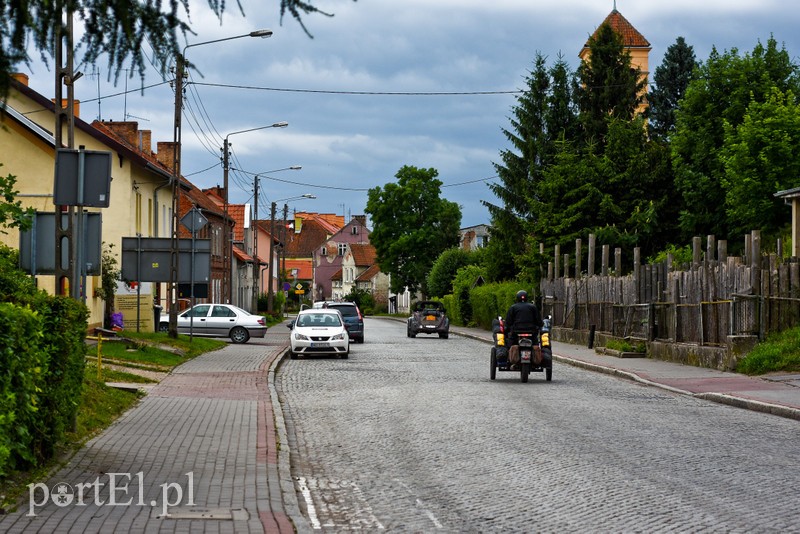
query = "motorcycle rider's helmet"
x=522 y=296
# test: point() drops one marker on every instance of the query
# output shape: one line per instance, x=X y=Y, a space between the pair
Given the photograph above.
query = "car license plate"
x=430 y=318
x=320 y=345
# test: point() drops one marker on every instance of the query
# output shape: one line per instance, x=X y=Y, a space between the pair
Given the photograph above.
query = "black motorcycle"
x=535 y=355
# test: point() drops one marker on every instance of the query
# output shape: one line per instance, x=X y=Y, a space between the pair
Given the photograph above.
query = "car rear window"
x=346 y=310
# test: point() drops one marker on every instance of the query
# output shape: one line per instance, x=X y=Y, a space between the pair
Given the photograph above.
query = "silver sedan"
x=219 y=320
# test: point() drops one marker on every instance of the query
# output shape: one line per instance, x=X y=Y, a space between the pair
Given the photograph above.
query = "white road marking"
x=312 y=511
x=421 y=505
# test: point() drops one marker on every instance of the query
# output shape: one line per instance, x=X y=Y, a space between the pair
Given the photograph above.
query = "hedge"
x=42 y=355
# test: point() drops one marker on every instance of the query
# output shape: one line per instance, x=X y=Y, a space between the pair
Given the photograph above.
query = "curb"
x=291 y=505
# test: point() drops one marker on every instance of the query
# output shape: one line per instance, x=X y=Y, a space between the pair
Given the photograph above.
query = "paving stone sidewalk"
x=198 y=454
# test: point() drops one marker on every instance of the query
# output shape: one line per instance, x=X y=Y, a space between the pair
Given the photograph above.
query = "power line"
x=378 y=93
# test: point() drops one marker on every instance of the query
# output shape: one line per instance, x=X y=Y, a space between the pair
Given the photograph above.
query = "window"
x=324 y=251
x=355 y=230
x=342 y=247
x=222 y=311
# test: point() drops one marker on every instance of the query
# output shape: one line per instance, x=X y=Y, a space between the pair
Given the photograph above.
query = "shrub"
x=23 y=364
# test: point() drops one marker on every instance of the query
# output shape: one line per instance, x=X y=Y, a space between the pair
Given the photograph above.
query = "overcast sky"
x=347 y=141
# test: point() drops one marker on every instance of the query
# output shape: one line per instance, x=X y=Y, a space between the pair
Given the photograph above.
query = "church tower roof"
x=631 y=38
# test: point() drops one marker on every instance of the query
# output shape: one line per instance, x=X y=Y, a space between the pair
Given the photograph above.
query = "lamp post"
x=256 y=263
x=226 y=239
x=270 y=291
x=176 y=173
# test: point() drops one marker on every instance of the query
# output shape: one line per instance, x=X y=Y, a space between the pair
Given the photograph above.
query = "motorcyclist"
x=522 y=316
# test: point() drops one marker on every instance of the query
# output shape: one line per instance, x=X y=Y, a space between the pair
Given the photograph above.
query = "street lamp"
x=176 y=172
x=256 y=272
x=226 y=240
x=270 y=292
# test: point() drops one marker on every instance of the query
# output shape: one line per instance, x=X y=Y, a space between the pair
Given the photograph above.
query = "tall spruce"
x=609 y=85
x=671 y=79
x=544 y=114
x=519 y=171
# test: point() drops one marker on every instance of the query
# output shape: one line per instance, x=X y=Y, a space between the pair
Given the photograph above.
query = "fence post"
x=590 y=259
x=566 y=265
x=637 y=273
x=578 y=257
x=696 y=252
x=755 y=278
x=604 y=267
x=722 y=251
x=617 y=262
x=710 y=246
x=558 y=261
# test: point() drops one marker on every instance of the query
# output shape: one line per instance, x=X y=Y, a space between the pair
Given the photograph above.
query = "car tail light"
x=360 y=317
x=261 y=321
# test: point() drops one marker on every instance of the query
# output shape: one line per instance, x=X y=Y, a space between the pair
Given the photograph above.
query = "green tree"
x=115 y=28
x=12 y=214
x=609 y=86
x=720 y=94
x=760 y=158
x=443 y=271
x=544 y=113
x=623 y=194
x=671 y=79
x=412 y=226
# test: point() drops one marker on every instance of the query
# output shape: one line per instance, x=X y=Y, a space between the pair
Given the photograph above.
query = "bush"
x=23 y=363
x=52 y=355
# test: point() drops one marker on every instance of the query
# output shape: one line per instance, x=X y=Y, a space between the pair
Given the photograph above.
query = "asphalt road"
x=410 y=435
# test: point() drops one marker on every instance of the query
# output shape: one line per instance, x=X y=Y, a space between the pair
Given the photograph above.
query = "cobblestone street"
x=411 y=435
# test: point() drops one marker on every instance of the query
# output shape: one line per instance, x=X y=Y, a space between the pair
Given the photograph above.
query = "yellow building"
x=140 y=192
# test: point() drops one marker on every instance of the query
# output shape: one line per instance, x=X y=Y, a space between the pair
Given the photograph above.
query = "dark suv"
x=353 y=320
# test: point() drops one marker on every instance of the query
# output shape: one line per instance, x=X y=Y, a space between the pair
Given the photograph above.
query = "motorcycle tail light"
x=545 y=339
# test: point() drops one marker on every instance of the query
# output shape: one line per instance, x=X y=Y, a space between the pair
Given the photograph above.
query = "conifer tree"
x=671 y=79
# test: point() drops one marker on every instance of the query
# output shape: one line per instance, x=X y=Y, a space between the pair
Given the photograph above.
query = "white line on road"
x=312 y=511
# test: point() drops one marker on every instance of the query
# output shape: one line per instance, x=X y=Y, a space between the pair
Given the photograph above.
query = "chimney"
x=76 y=106
x=126 y=130
x=21 y=77
x=146 y=141
x=166 y=153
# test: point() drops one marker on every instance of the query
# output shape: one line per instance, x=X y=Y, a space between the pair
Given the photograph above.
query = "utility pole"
x=226 y=238
x=65 y=117
x=256 y=266
x=285 y=239
x=270 y=267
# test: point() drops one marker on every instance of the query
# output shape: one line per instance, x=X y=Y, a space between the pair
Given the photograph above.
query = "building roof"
x=303 y=266
x=304 y=243
x=332 y=222
x=238 y=213
x=373 y=271
x=631 y=38
x=337 y=275
x=241 y=255
x=363 y=254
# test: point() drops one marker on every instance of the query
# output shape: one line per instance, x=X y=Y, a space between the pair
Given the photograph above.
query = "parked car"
x=428 y=317
x=353 y=319
x=319 y=331
x=218 y=320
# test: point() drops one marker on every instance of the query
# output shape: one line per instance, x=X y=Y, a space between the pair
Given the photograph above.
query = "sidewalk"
x=201 y=452
x=775 y=394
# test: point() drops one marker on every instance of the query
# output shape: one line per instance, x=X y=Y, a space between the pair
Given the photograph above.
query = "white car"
x=319 y=331
x=219 y=320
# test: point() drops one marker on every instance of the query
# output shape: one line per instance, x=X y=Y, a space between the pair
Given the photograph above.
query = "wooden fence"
x=703 y=303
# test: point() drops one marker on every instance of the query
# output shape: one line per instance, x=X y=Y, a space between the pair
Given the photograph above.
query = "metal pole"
x=226 y=238
x=176 y=191
x=285 y=240
x=270 y=267
x=254 y=304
